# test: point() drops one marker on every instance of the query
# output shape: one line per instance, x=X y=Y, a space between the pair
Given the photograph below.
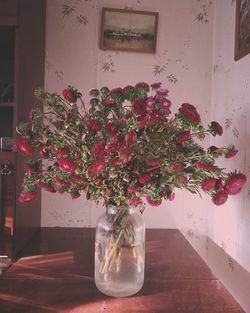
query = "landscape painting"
x=129 y=30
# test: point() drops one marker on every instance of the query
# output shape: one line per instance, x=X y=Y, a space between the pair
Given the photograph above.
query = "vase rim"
x=113 y=209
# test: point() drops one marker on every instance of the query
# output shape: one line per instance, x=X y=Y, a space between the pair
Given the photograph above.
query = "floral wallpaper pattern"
x=197 y=68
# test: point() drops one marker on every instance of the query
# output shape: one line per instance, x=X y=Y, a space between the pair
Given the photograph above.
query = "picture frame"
x=128 y=30
x=242 y=29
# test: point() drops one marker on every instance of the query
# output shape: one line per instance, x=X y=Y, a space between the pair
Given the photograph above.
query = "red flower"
x=231 y=154
x=219 y=184
x=165 y=105
x=144 y=179
x=153 y=202
x=220 y=197
x=131 y=137
x=216 y=128
x=59 y=151
x=190 y=113
x=184 y=136
x=46 y=187
x=69 y=95
x=208 y=184
x=125 y=154
x=110 y=102
x=150 y=104
x=204 y=167
x=132 y=188
x=142 y=85
x=155 y=117
x=235 y=183
x=139 y=107
x=24 y=147
x=66 y=165
x=94 y=125
x=143 y=122
x=98 y=149
x=27 y=196
x=111 y=128
x=97 y=166
x=135 y=201
x=76 y=179
x=171 y=196
x=28 y=168
x=155 y=85
x=152 y=162
x=128 y=89
x=43 y=152
x=175 y=168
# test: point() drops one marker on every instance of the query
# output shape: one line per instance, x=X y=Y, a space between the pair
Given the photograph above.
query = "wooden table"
x=57 y=276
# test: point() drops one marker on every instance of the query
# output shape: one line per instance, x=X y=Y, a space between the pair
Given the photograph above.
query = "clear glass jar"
x=120 y=252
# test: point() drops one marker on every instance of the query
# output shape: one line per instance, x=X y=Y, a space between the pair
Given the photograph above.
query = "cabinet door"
x=29 y=76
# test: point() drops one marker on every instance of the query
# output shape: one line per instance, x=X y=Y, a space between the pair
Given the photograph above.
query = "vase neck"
x=113 y=209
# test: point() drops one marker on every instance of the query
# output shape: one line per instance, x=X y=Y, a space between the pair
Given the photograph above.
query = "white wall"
x=198 y=68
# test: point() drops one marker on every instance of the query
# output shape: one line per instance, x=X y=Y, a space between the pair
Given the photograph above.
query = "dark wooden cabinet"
x=22 y=50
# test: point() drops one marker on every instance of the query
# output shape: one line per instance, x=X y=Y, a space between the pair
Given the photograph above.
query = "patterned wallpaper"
x=194 y=60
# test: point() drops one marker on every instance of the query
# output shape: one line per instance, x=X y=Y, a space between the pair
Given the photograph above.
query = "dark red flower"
x=122 y=122
x=154 y=202
x=216 y=128
x=98 y=166
x=139 y=107
x=69 y=95
x=235 y=183
x=144 y=179
x=142 y=85
x=155 y=85
x=27 y=196
x=220 y=197
x=125 y=154
x=94 y=125
x=28 y=168
x=111 y=128
x=59 y=151
x=155 y=117
x=128 y=89
x=98 y=150
x=135 y=201
x=46 y=187
x=184 y=136
x=116 y=92
x=66 y=165
x=204 y=167
x=189 y=112
x=43 y=152
x=165 y=105
x=143 y=122
x=208 y=184
x=24 y=147
x=231 y=154
x=132 y=188
x=152 y=162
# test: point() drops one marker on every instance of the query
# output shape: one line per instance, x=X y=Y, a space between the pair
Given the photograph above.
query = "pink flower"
x=189 y=112
x=27 y=196
x=132 y=188
x=220 y=197
x=231 y=154
x=46 y=187
x=66 y=165
x=110 y=102
x=135 y=201
x=152 y=162
x=24 y=147
x=144 y=179
x=155 y=85
x=216 y=128
x=69 y=95
x=204 y=167
x=235 y=183
x=208 y=184
x=184 y=136
x=150 y=104
x=111 y=128
x=98 y=166
x=98 y=150
x=154 y=202
x=165 y=105
x=162 y=92
x=139 y=107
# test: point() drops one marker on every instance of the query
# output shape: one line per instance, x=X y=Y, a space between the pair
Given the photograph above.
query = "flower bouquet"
x=125 y=147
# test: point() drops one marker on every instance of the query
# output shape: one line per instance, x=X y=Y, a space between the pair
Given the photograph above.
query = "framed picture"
x=242 y=29
x=129 y=30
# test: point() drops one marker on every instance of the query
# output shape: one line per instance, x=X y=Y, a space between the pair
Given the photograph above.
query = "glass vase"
x=120 y=252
